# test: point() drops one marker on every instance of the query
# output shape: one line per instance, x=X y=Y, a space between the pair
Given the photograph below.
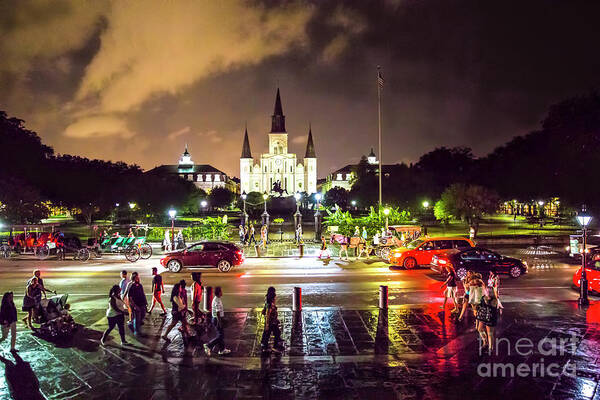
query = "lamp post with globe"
x=172 y=214
x=318 y=217
x=265 y=214
x=298 y=214
x=244 y=213
x=584 y=220
x=203 y=205
x=386 y=212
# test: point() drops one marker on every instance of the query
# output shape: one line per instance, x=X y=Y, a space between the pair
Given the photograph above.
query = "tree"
x=20 y=203
x=336 y=195
x=442 y=167
x=468 y=203
x=220 y=197
x=191 y=206
x=441 y=212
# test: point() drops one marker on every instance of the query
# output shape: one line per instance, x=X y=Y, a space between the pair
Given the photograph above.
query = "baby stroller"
x=54 y=318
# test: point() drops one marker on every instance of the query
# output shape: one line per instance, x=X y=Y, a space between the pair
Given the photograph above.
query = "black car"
x=479 y=259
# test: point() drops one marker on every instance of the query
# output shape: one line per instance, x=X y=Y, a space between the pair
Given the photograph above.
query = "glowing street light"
x=584 y=220
x=425 y=204
x=172 y=214
x=265 y=214
x=297 y=215
x=244 y=215
x=386 y=212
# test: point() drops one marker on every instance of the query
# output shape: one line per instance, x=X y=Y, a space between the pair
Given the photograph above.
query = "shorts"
x=450 y=291
x=178 y=316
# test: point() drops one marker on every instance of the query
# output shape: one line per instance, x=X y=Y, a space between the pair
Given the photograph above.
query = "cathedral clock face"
x=278 y=162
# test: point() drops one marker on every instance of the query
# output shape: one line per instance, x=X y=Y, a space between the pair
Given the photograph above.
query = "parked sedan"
x=223 y=255
x=420 y=251
x=592 y=272
x=479 y=260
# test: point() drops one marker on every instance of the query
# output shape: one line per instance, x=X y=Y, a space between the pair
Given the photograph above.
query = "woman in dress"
x=31 y=300
x=493 y=284
x=488 y=319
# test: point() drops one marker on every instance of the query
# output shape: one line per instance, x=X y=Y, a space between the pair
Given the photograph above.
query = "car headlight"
x=442 y=262
x=568 y=248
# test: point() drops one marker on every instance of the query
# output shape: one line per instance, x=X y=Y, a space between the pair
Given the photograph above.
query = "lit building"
x=344 y=177
x=204 y=176
x=278 y=167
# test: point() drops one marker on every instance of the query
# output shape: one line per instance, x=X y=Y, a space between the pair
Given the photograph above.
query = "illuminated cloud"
x=175 y=134
x=99 y=126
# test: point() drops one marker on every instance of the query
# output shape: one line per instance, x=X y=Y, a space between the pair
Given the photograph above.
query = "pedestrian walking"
x=137 y=303
x=158 y=288
x=218 y=320
x=344 y=247
x=38 y=275
x=356 y=231
x=263 y=237
x=465 y=299
x=242 y=234
x=197 y=297
x=299 y=233
x=476 y=292
x=124 y=282
x=167 y=241
x=251 y=238
x=179 y=309
x=487 y=319
x=364 y=233
x=31 y=300
x=115 y=313
x=271 y=323
x=180 y=240
x=450 y=288
x=324 y=250
x=8 y=319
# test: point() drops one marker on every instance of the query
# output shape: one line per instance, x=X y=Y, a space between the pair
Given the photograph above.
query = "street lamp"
x=353 y=202
x=425 y=204
x=318 y=217
x=297 y=215
x=584 y=220
x=203 y=205
x=244 y=215
x=265 y=214
x=131 y=206
x=386 y=212
x=172 y=214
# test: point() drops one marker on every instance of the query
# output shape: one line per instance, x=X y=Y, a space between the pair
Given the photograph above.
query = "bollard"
x=297 y=299
x=207 y=298
x=383 y=297
x=301 y=247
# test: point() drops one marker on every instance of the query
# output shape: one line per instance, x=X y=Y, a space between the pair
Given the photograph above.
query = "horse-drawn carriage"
x=132 y=247
x=42 y=241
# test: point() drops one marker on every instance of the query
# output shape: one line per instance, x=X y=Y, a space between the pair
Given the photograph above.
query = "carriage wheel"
x=42 y=252
x=132 y=254
x=82 y=254
x=378 y=252
x=385 y=252
x=145 y=251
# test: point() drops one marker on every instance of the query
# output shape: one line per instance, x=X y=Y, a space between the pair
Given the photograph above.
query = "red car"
x=592 y=271
x=223 y=255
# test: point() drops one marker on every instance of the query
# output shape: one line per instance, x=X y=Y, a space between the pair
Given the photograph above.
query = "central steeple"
x=278 y=119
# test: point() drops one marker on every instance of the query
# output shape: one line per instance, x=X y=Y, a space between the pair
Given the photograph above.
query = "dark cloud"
x=136 y=81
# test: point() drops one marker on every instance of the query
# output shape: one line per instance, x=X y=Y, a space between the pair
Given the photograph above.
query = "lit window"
x=217 y=178
x=348 y=176
x=208 y=178
x=199 y=178
x=339 y=177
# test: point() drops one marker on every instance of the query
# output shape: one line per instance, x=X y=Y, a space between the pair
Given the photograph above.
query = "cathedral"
x=278 y=170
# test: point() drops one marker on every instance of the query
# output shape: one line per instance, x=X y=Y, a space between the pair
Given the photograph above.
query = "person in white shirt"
x=116 y=315
x=218 y=315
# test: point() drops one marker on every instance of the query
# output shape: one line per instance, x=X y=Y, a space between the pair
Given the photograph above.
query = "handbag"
x=486 y=313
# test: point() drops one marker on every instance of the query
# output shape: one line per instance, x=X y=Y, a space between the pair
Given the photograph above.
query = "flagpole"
x=379 y=121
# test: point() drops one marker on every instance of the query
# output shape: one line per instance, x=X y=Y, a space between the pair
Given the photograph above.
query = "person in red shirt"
x=197 y=297
x=158 y=288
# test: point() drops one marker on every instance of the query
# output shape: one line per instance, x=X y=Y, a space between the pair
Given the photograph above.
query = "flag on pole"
x=379 y=78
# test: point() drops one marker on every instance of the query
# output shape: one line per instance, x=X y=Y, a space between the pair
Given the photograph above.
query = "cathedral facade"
x=278 y=170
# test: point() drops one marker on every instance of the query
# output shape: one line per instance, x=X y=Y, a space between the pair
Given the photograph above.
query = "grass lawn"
x=501 y=225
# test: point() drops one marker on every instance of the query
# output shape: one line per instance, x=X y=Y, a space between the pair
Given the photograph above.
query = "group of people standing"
x=481 y=297
x=178 y=241
x=247 y=234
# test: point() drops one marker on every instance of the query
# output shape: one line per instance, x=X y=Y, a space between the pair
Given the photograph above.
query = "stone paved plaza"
x=407 y=353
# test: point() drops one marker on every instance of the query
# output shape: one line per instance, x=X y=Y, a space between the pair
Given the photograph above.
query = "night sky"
x=137 y=80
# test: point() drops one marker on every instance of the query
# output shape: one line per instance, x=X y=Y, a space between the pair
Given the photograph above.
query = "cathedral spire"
x=278 y=119
x=246 y=147
x=310 y=146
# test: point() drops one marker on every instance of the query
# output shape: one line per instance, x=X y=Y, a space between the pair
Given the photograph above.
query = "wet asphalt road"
x=345 y=284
